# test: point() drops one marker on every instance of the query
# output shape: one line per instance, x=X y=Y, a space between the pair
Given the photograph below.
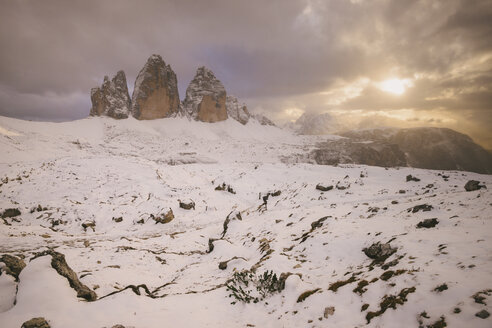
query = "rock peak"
x=205 y=97
x=112 y=98
x=155 y=94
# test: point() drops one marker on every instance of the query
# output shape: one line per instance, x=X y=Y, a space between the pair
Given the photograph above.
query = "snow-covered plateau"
x=180 y=223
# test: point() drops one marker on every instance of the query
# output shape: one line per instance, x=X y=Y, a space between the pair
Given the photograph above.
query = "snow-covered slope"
x=103 y=184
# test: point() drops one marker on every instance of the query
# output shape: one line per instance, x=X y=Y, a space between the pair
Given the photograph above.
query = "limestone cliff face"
x=112 y=98
x=205 y=97
x=156 y=91
x=236 y=110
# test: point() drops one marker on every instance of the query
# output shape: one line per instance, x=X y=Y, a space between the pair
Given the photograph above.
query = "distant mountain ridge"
x=424 y=147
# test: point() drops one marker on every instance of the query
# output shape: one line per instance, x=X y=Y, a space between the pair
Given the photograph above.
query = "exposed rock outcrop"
x=205 y=97
x=112 y=98
x=236 y=110
x=263 y=120
x=36 y=323
x=13 y=265
x=59 y=263
x=156 y=91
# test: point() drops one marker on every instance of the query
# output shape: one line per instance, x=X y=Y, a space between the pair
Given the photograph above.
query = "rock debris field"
x=173 y=222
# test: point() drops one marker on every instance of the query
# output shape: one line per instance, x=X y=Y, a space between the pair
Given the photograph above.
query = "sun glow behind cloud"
x=395 y=86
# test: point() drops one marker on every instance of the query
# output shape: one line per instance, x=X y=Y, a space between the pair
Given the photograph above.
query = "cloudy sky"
x=367 y=62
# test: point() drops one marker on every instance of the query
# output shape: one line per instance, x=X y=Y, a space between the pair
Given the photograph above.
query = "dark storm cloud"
x=273 y=54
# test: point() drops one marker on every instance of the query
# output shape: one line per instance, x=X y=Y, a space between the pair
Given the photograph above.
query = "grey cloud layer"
x=52 y=52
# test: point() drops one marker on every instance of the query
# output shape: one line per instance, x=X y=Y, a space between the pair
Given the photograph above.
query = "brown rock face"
x=112 y=98
x=156 y=91
x=205 y=97
x=212 y=110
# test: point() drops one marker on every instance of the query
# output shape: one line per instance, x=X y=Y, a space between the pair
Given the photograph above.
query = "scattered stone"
x=342 y=185
x=223 y=264
x=401 y=191
x=394 y=202
x=39 y=208
x=89 y=224
x=330 y=310
x=118 y=220
x=13 y=265
x=11 y=212
x=441 y=288
x=473 y=185
x=224 y=187
x=441 y=323
x=422 y=207
x=457 y=310
x=187 y=204
x=118 y=326
x=379 y=252
x=479 y=298
x=36 y=323
x=141 y=221
x=306 y=294
x=484 y=314
x=59 y=263
x=428 y=223
x=324 y=188
x=168 y=217
x=314 y=225
x=412 y=178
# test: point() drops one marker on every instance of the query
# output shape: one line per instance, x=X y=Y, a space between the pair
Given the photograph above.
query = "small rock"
x=223 y=265
x=428 y=223
x=412 y=178
x=89 y=224
x=473 y=185
x=342 y=185
x=324 y=188
x=141 y=221
x=330 y=310
x=484 y=314
x=187 y=204
x=401 y=191
x=422 y=207
x=10 y=213
x=168 y=217
x=36 y=323
x=118 y=220
x=379 y=252
x=118 y=326
x=14 y=265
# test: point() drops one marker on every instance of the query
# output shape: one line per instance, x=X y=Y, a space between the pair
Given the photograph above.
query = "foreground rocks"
x=36 y=323
x=112 y=98
x=473 y=185
x=59 y=263
x=205 y=97
x=379 y=252
x=13 y=265
x=156 y=91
